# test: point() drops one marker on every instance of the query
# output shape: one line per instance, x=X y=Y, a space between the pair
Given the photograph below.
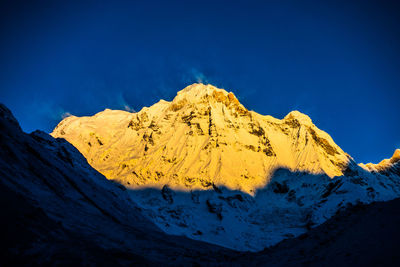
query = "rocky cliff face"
x=203 y=137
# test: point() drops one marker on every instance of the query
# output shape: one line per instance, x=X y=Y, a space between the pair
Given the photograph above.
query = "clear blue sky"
x=338 y=62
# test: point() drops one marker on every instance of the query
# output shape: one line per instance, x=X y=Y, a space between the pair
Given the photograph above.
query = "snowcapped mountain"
x=205 y=167
x=203 y=137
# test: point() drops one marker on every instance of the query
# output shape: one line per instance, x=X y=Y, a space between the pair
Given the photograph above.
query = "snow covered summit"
x=204 y=136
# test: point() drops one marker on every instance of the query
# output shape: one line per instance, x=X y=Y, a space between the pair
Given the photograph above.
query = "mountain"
x=57 y=210
x=203 y=137
x=205 y=167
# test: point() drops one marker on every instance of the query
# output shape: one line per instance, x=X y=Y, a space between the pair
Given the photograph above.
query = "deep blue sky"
x=337 y=62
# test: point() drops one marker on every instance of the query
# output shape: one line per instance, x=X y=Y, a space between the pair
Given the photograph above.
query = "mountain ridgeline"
x=203 y=137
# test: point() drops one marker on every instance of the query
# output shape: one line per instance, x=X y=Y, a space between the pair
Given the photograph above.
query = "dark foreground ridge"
x=362 y=235
x=56 y=209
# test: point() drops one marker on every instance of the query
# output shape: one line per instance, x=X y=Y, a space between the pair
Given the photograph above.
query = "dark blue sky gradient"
x=338 y=62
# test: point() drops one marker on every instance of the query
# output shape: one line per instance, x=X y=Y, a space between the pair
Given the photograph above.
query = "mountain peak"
x=396 y=156
x=198 y=87
x=385 y=164
x=199 y=91
x=7 y=120
x=301 y=117
x=206 y=94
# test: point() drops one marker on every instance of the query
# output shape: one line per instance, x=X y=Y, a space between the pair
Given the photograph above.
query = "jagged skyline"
x=339 y=66
x=204 y=136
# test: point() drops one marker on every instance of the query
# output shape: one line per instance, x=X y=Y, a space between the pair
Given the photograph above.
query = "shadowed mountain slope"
x=361 y=235
x=57 y=209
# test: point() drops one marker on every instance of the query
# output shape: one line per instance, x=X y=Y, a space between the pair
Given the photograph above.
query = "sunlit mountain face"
x=205 y=167
x=203 y=137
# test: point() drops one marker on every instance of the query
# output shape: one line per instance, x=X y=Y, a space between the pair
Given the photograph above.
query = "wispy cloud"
x=65 y=115
x=199 y=76
x=122 y=103
x=128 y=108
x=194 y=75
